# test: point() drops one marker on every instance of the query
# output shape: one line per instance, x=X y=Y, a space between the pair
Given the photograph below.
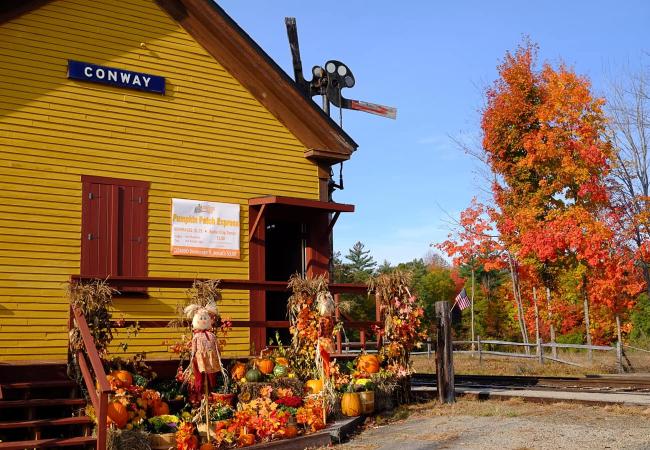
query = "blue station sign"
x=115 y=77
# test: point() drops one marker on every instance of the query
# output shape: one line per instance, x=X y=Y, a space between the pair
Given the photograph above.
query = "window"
x=114 y=219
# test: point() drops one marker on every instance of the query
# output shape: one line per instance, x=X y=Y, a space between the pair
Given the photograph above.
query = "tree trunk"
x=539 y=349
x=520 y=310
x=587 y=324
x=472 y=306
x=619 y=345
x=550 y=319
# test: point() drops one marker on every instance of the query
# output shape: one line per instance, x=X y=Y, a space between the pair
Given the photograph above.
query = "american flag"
x=462 y=300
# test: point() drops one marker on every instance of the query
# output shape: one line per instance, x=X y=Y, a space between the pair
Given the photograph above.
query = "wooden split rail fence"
x=484 y=347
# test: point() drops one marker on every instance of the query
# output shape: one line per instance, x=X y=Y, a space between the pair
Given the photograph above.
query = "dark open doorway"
x=287 y=235
x=286 y=244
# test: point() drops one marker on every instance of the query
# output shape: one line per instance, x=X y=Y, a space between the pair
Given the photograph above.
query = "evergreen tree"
x=385 y=267
x=362 y=264
x=341 y=271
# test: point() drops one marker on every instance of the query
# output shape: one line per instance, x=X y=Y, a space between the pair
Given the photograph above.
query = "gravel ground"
x=496 y=425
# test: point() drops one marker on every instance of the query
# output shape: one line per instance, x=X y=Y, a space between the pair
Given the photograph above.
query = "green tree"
x=362 y=264
x=385 y=267
x=341 y=271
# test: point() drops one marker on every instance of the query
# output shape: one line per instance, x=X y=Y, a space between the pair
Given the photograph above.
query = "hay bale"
x=127 y=440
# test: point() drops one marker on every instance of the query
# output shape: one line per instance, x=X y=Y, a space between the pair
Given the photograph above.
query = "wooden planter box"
x=163 y=441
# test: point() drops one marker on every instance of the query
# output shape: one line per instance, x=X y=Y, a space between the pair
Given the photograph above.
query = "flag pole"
x=452 y=307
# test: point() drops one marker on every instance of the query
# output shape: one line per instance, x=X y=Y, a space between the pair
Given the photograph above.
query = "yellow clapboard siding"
x=208 y=139
x=16 y=155
x=169 y=156
x=218 y=109
x=225 y=90
x=229 y=190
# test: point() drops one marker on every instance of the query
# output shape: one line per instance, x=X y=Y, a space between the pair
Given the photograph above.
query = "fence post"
x=429 y=348
x=337 y=317
x=619 y=356
x=444 y=355
x=378 y=318
x=540 y=351
x=480 y=353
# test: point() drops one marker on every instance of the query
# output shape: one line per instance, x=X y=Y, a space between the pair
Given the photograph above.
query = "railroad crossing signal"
x=329 y=80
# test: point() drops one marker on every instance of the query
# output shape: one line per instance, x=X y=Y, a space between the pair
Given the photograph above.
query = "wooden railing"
x=98 y=393
x=364 y=327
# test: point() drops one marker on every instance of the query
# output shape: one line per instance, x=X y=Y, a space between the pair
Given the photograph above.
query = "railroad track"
x=639 y=384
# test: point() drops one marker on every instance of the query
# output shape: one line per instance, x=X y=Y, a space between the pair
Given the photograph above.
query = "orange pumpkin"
x=160 y=409
x=123 y=377
x=314 y=386
x=368 y=364
x=282 y=361
x=246 y=439
x=290 y=431
x=238 y=371
x=351 y=404
x=117 y=414
x=207 y=446
x=265 y=366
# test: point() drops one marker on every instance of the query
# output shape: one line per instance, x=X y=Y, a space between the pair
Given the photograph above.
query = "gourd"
x=351 y=404
x=280 y=371
x=315 y=386
x=368 y=364
x=253 y=375
x=117 y=414
x=207 y=446
x=265 y=366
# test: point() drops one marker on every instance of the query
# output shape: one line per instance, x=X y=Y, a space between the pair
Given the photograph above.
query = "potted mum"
x=366 y=390
x=163 y=428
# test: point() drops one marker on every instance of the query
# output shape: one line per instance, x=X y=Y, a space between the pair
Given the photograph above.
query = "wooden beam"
x=260 y=214
x=186 y=283
x=301 y=203
x=333 y=222
x=444 y=355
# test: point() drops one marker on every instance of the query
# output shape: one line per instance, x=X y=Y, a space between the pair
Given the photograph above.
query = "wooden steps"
x=77 y=420
x=49 y=443
x=43 y=413
x=42 y=402
x=39 y=384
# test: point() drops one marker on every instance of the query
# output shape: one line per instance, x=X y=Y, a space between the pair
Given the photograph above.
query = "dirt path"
x=496 y=425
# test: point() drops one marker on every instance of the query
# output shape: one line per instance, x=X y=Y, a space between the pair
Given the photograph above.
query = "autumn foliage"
x=550 y=219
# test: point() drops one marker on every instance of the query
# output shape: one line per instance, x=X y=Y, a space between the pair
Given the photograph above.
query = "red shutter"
x=133 y=231
x=114 y=227
x=95 y=229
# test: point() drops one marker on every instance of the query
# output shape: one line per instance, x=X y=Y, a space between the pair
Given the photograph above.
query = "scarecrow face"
x=202 y=320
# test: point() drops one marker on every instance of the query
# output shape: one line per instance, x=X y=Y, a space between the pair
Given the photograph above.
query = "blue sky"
x=433 y=60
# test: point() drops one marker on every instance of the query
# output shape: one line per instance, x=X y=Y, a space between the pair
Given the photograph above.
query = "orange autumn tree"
x=543 y=137
x=473 y=246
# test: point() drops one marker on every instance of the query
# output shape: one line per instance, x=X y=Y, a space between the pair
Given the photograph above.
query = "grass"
x=602 y=363
x=517 y=407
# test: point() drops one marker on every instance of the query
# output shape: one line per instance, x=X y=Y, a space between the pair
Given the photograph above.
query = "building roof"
x=236 y=51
